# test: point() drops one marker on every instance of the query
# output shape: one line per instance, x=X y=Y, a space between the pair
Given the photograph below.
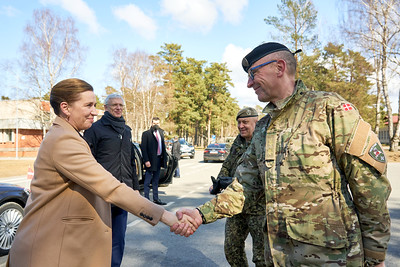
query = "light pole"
x=16 y=132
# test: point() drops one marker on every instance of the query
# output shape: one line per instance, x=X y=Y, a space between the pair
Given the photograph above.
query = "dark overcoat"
x=113 y=149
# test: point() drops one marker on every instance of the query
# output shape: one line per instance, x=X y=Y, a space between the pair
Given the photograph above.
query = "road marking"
x=169 y=203
x=191 y=192
x=134 y=223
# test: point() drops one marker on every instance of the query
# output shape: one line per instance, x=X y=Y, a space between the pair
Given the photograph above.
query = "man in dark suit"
x=154 y=157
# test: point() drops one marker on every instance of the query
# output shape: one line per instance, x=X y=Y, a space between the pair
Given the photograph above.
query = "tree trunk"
x=387 y=100
x=209 y=128
x=378 y=96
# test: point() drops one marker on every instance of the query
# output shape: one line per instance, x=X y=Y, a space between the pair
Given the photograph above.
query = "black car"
x=166 y=174
x=12 y=202
x=216 y=152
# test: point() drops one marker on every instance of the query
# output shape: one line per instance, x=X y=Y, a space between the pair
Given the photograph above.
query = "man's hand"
x=147 y=164
x=188 y=215
x=182 y=226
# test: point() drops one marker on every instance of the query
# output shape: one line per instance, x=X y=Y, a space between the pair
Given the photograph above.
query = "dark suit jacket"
x=149 y=149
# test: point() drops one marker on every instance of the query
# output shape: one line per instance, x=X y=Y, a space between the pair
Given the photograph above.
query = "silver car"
x=187 y=150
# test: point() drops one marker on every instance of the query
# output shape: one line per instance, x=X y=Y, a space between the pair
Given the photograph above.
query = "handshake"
x=185 y=222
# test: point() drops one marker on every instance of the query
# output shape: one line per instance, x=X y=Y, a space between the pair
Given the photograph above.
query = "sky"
x=211 y=30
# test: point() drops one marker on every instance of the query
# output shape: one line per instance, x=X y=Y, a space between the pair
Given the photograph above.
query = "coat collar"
x=63 y=123
x=274 y=109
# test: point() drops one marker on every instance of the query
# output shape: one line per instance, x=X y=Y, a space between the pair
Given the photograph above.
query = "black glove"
x=220 y=184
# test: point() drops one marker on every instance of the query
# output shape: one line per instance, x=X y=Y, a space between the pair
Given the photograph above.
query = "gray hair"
x=290 y=60
x=112 y=96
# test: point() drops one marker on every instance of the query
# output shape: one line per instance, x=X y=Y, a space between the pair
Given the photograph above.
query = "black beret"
x=247 y=112
x=261 y=51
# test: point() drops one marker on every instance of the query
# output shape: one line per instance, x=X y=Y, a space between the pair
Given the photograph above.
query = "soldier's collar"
x=279 y=105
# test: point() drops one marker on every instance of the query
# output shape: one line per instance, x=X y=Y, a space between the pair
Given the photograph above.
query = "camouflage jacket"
x=230 y=164
x=324 y=174
x=255 y=198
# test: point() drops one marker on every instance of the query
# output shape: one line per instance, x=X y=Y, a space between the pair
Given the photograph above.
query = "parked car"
x=12 y=202
x=168 y=144
x=187 y=150
x=166 y=174
x=216 y=151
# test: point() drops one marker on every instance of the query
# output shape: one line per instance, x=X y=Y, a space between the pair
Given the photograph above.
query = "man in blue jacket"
x=110 y=140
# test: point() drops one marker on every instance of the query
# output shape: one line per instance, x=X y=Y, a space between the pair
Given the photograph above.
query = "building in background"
x=23 y=124
x=384 y=131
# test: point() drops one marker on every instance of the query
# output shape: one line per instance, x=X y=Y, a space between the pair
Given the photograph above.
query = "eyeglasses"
x=117 y=105
x=250 y=71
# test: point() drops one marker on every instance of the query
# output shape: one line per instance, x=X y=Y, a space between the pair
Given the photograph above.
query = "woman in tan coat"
x=67 y=218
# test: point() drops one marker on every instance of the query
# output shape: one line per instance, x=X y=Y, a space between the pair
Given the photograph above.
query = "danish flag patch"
x=347 y=107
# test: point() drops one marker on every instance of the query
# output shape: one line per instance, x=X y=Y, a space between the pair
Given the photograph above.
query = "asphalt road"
x=156 y=246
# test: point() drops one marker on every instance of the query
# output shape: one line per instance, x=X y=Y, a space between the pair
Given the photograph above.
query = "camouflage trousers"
x=237 y=228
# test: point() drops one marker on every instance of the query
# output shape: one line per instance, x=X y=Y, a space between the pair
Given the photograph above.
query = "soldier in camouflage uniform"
x=252 y=217
x=323 y=169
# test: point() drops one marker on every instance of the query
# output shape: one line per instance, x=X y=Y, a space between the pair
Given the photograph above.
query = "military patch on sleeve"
x=365 y=145
x=347 y=107
x=376 y=152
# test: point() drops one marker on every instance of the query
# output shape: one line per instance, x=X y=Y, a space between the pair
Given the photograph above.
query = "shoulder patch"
x=376 y=152
x=366 y=146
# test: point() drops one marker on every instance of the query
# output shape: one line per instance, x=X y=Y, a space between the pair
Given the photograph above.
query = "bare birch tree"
x=50 y=51
x=139 y=81
x=397 y=130
x=375 y=26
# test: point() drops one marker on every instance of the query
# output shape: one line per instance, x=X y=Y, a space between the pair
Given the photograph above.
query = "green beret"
x=247 y=112
x=261 y=51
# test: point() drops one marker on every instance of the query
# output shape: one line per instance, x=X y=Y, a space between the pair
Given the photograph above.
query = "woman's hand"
x=186 y=226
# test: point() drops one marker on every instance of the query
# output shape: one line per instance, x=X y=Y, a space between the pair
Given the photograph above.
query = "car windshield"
x=183 y=142
x=216 y=146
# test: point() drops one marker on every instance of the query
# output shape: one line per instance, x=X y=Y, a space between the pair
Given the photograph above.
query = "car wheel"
x=11 y=215
x=205 y=161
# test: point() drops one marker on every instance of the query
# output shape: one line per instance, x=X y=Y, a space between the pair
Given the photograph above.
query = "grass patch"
x=15 y=167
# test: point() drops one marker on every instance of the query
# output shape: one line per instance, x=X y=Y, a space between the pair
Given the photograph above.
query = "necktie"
x=158 y=144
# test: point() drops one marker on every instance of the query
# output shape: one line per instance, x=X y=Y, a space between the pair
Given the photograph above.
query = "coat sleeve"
x=226 y=204
x=135 y=180
x=78 y=165
x=363 y=162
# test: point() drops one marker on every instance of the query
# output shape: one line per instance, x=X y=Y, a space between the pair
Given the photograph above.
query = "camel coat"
x=68 y=218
